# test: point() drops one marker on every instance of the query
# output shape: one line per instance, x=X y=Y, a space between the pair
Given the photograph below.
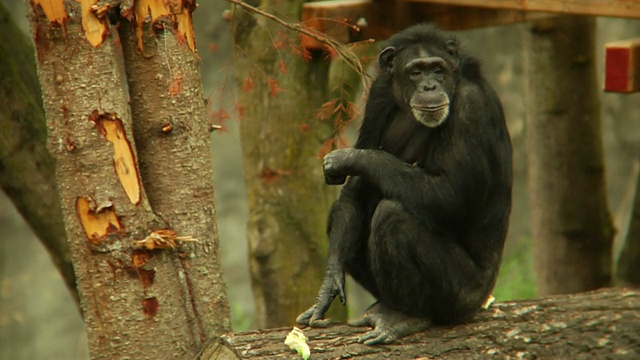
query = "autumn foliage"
x=339 y=110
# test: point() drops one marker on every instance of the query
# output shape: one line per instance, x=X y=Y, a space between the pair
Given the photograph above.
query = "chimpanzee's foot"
x=388 y=325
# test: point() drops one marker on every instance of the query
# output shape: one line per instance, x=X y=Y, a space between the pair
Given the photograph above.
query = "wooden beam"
x=385 y=18
x=332 y=17
x=614 y=8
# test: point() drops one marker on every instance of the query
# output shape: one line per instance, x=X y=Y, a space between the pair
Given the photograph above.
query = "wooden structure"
x=386 y=17
x=379 y=19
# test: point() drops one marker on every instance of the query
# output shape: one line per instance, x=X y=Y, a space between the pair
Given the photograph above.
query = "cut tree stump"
x=603 y=324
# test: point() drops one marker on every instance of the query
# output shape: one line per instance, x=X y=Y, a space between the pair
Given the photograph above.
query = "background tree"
x=145 y=256
x=283 y=86
x=571 y=226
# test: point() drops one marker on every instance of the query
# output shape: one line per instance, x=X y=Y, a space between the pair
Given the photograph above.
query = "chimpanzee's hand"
x=332 y=286
x=338 y=164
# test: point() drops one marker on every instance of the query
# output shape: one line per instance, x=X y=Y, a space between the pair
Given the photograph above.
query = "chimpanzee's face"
x=423 y=81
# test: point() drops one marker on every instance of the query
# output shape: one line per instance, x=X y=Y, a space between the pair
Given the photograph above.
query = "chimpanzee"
x=422 y=219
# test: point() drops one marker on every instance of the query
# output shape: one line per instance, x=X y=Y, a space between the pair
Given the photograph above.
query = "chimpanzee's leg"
x=349 y=227
x=421 y=275
x=348 y=233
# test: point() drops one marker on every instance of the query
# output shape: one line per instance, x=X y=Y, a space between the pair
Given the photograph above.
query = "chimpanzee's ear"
x=451 y=47
x=385 y=59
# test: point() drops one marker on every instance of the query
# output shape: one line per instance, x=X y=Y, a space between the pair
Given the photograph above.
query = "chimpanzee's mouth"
x=431 y=108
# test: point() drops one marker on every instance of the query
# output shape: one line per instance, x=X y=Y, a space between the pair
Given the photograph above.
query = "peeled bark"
x=282 y=139
x=148 y=282
x=571 y=225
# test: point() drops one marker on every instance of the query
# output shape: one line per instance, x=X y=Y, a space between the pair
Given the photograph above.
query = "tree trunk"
x=595 y=325
x=172 y=134
x=282 y=139
x=149 y=283
x=26 y=167
x=571 y=225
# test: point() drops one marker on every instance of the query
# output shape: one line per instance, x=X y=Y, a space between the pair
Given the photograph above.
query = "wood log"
x=595 y=325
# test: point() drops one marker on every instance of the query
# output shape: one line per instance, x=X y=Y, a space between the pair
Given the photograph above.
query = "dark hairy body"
x=422 y=218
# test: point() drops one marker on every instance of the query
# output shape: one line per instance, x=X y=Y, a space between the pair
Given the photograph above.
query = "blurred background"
x=39 y=320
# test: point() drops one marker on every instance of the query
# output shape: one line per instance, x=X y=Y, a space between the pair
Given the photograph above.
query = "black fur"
x=422 y=219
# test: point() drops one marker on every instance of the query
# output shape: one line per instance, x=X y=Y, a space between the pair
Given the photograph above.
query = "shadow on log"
x=603 y=324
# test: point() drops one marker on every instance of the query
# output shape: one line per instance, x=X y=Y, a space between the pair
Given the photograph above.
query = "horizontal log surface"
x=593 y=325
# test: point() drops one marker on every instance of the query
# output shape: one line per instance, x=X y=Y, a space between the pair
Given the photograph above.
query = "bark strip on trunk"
x=173 y=140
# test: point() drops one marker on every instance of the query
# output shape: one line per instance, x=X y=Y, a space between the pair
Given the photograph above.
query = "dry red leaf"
x=248 y=85
x=274 y=88
x=238 y=109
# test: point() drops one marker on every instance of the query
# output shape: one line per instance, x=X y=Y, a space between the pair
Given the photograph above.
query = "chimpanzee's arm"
x=345 y=226
x=409 y=184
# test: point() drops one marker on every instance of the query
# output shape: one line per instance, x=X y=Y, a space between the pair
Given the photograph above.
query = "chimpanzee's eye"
x=415 y=73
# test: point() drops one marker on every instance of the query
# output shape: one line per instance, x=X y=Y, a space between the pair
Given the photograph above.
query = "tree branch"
x=350 y=58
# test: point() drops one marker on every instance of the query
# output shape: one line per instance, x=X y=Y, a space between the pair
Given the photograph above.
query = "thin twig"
x=351 y=59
